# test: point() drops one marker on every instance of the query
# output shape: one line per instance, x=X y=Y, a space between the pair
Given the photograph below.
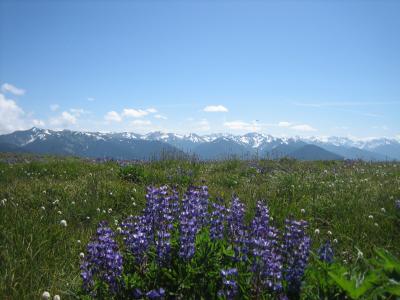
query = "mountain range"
x=128 y=145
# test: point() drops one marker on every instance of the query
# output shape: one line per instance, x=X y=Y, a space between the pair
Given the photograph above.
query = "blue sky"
x=280 y=67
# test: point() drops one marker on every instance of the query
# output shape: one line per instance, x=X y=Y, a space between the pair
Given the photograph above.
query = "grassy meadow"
x=348 y=203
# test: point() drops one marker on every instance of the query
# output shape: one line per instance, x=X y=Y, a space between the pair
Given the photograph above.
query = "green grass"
x=37 y=253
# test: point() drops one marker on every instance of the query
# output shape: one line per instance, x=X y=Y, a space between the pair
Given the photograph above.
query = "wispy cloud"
x=9 y=88
x=141 y=122
x=90 y=99
x=344 y=103
x=243 y=126
x=215 y=108
x=160 y=117
x=54 y=107
x=303 y=127
x=284 y=124
x=64 y=119
x=112 y=116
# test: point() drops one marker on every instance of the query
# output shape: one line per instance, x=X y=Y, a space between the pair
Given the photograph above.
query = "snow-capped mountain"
x=128 y=145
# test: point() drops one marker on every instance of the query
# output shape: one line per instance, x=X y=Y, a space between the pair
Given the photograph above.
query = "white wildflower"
x=316 y=231
x=303 y=211
x=383 y=210
x=329 y=232
x=371 y=217
x=82 y=255
x=46 y=295
x=56 y=297
x=63 y=223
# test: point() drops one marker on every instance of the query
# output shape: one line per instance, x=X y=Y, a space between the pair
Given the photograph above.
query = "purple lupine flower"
x=156 y=293
x=296 y=251
x=267 y=263
x=397 y=204
x=325 y=252
x=162 y=221
x=188 y=225
x=237 y=229
x=103 y=260
x=230 y=287
x=135 y=234
x=203 y=205
x=217 y=219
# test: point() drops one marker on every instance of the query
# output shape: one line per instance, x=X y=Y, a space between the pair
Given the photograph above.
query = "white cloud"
x=112 y=116
x=303 y=127
x=9 y=88
x=160 y=117
x=78 y=111
x=151 y=110
x=203 y=125
x=244 y=126
x=38 y=123
x=135 y=113
x=90 y=99
x=141 y=122
x=54 y=107
x=11 y=116
x=64 y=119
x=284 y=124
x=215 y=108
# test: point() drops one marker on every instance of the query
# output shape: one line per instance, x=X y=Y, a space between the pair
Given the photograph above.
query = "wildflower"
x=267 y=263
x=303 y=211
x=229 y=284
x=46 y=295
x=43 y=208
x=217 y=220
x=383 y=210
x=156 y=293
x=82 y=255
x=236 y=228
x=59 y=212
x=370 y=217
x=376 y=224
x=73 y=202
x=98 y=209
x=329 y=232
x=360 y=255
x=119 y=229
x=296 y=251
x=56 y=297
x=3 y=202
x=103 y=260
x=110 y=210
x=87 y=218
x=397 y=203
x=63 y=223
x=325 y=252
x=316 y=231
x=78 y=241
x=335 y=241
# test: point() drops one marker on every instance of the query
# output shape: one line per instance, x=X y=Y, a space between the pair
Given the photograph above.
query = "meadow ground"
x=348 y=202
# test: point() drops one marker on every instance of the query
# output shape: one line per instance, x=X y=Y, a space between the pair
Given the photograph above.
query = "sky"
x=286 y=68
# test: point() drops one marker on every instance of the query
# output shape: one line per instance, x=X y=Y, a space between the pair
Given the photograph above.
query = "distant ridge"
x=128 y=145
